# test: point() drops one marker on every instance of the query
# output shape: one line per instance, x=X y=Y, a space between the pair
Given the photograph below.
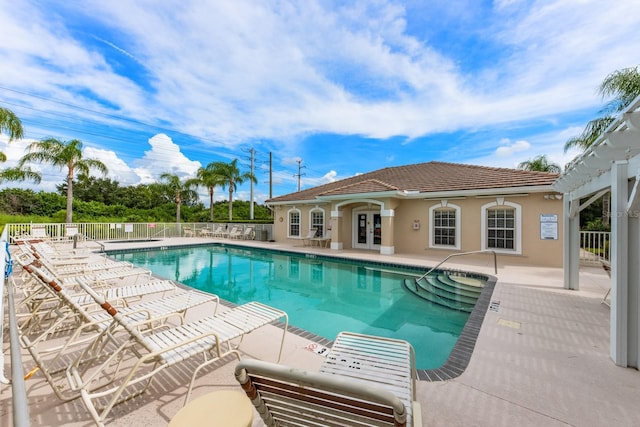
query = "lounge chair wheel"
x=228 y=408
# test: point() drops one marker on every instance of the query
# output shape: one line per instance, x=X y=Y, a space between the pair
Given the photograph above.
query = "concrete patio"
x=541 y=359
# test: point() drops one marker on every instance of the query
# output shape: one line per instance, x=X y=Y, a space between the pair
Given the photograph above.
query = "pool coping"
x=462 y=351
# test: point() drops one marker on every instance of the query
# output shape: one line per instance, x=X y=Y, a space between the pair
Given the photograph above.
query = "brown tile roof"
x=426 y=178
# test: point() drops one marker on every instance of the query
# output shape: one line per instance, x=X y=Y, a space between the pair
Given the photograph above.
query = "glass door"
x=368 y=230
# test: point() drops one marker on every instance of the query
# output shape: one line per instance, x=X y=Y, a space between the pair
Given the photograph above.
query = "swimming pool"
x=322 y=295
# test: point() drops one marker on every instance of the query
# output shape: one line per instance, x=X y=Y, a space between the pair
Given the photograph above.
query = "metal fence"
x=130 y=230
x=595 y=247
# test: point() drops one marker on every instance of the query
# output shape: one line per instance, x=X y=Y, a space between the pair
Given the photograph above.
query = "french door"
x=367 y=230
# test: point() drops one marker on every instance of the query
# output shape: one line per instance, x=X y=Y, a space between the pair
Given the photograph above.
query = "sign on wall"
x=548 y=227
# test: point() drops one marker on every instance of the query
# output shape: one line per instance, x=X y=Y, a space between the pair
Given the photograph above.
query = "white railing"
x=595 y=246
x=19 y=404
x=128 y=231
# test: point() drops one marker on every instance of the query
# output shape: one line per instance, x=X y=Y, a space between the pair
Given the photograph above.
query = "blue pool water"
x=321 y=295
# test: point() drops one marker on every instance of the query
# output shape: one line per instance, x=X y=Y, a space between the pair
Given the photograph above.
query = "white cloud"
x=242 y=70
x=164 y=157
x=328 y=177
x=118 y=169
x=508 y=148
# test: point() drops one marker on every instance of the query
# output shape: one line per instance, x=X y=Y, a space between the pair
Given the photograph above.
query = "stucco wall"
x=408 y=240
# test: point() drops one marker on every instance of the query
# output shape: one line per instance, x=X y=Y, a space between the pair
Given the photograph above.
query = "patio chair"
x=285 y=396
x=51 y=349
x=323 y=241
x=206 y=232
x=382 y=362
x=144 y=355
x=39 y=232
x=219 y=232
x=234 y=233
x=306 y=241
x=248 y=234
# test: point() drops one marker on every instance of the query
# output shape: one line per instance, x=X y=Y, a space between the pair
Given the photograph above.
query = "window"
x=502 y=227
x=294 y=223
x=444 y=226
x=317 y=221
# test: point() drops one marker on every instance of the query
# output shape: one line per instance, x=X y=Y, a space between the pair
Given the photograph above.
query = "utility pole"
x=270 y=175
x=253 y=158
x=300 y=174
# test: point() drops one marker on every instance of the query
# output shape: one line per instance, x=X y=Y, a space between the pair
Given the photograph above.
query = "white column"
x=571 y=241
x=619 y=264
x=633 y=255
x=336 y=230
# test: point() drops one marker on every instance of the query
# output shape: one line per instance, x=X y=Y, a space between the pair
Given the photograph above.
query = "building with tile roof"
x=433 y=208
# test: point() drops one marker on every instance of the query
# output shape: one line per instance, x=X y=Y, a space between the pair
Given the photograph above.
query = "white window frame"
x=324 y=221
x=501 y=203
x=444 y=204
x=289 y=212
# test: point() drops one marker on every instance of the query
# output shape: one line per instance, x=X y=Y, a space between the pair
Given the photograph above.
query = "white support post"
x=619 y=264
x=633 y=304
x=571 y=238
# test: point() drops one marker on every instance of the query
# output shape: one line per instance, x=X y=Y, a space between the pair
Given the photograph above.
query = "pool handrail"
x=20 y=408
x=495 y=263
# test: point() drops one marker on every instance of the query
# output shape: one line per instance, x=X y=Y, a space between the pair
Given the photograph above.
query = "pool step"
x=449 y=290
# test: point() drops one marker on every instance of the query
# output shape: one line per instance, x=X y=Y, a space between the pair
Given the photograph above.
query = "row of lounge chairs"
x=104 y=341
x=236 y=232
x=102 y=335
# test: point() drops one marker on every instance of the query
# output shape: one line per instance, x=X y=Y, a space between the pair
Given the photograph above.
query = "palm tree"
x=20 y=174
x=231 y=178
x=179 y=190
x=64 y=155
x=540 y=164
x=624 y=86
x=210 y=177
x=11 y=123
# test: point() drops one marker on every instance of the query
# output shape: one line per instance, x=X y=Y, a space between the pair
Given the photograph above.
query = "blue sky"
x=341 y=88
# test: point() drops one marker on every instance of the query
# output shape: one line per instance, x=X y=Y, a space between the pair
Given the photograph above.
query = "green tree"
x=179 y=190
x=623 y=86
x=19 y=174
x=211 y=177
x=63 y=154
x=89 y=188
x=10 y=123
x=540 y=164
x=232 y=178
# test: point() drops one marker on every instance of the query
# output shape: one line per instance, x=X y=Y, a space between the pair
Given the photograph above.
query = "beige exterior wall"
x=411 y=239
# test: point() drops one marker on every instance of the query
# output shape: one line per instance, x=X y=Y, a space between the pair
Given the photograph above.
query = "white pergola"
x=612 y=163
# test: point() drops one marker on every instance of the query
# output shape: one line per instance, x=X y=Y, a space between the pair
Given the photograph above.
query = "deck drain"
x=509 y=323
x=494 y=306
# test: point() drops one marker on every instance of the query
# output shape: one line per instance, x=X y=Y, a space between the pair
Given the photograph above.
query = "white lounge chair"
x=362 y=391
x=235 y=233
x=145 y=355
x=306 y=241
x=50 y=346
x=248 y=234
x=323 y=241
x=219 y=232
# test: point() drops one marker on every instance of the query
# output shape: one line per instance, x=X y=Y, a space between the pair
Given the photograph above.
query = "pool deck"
x=541 y=358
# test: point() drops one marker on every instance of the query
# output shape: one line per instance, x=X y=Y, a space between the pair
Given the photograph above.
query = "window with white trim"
x=502 y=226
x=317 y=221
x=444 y=226
x=294 y=223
